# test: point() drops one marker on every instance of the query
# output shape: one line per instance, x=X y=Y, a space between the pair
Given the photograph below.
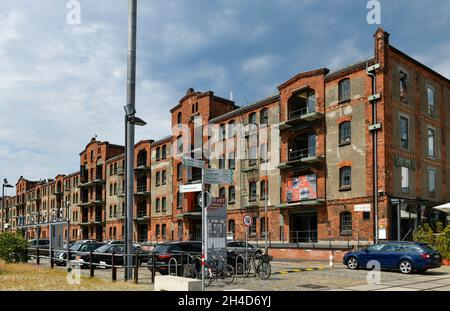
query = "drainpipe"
x=375 y=154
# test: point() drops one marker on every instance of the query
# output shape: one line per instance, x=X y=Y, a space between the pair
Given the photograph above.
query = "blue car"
x=406 y=257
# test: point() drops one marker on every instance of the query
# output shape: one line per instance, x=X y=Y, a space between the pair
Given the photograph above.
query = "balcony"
x=142 y=190
x=301 y=110
x=142 y=166
x=141 y=215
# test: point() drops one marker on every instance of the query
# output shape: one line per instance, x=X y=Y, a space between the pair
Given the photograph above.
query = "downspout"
x=375 y=153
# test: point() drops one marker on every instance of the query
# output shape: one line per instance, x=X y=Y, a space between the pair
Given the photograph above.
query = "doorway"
x=303 y=227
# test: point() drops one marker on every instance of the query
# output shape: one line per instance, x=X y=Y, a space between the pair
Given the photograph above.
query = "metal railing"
x=141 y=188
x=302 y=153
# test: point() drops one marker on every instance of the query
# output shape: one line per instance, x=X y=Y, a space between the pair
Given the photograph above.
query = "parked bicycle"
x=259 y=264
x=215 y=269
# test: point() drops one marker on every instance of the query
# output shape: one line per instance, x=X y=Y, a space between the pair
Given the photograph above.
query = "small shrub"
x=13 y=248
x=443 y=243
x=425 y=235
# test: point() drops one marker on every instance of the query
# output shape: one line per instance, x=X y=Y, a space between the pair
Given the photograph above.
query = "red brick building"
x=303 y=161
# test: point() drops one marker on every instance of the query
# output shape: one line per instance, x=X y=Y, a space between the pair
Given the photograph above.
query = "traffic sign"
x=190 y=188
x=213 y=176
x=248 y=221
x=193 y=162
x=207 y=199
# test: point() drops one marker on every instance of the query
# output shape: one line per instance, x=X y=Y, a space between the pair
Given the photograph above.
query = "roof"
x=344 y=70
x=162 y=140
x=244 y=109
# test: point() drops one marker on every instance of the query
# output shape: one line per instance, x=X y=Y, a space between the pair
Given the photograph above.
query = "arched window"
x=179 y=171
x=232 y=226
x=345 y=178
x=231 y=129
x=345 y=132
x=344 y=90
x=301 y=103
x=179 y=118
x=262 y=227
x=264 y=116
x=345 y=223
x=157 y=232
x=252 y=118
x=231 y=194
x=158 y=154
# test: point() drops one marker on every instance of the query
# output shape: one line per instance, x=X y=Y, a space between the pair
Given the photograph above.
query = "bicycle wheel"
x=189 y=272
x=209 y=276
x=228 y=274
x=264 y=271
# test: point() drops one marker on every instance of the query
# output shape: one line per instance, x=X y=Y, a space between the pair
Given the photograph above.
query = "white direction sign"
x=193 y=163
x=190 y=188
x=213 y=176
x=248 y=220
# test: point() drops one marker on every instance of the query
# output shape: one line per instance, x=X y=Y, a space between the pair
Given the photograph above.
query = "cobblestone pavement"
x=338 y=278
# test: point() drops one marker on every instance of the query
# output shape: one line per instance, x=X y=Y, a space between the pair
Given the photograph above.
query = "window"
x=263 y=154
x=222 y=192
x=432 y=182
x=252 y=118
x=221 y=162
x=92 y=155
x=110 y=189
x=366 y=215
x=180 y=144
x=164 y=152
x=404 y=132
x=431 y=103
x=262 y=227
x=157 y=231
x=115 y=211
x=345 y=132
x=157 y=181
x=264 y=116
x=110 y=170
x=110 y=211
x=344 y=90
x=222 y=132
x=179 y=200
x=179 y=171
x=346 y=223
x=263 y=191
x=179 y=118
x=253 y=193
x=163 y=205
x=253 y=227
x=345 y=177
x=157 y=207
x=431 y=143
x=231 y=127
x=231 y=161
x=158 y=154
x=163 y=177
x=231 y=194
x=403 y=87
x=115 y=189
x=231 y=226
x=164 y=231
x=405 y=179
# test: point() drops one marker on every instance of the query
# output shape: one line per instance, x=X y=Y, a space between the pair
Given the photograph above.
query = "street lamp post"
x=5 y=210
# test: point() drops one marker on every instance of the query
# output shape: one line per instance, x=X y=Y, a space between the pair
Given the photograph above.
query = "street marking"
x=298 y=270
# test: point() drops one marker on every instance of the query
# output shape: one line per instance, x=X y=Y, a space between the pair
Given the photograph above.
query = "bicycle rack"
x=176 y=266
x=243 y=266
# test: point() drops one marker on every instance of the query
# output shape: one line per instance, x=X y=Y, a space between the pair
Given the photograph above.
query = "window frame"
x=341 y=93
x=345 y=219
x=348 y=131
x=342 y=185
x=402 y=144
x=434 y=153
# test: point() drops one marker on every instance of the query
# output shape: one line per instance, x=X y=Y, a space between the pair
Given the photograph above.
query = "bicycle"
x=261 y=266
x=218 y=269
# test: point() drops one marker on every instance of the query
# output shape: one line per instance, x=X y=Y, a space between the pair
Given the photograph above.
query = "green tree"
x=13 y=247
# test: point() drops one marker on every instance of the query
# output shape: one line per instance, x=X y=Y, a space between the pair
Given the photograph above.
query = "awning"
x=443 y=208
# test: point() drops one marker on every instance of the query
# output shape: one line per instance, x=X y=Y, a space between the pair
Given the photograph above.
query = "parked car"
x=121 y=242
x=79 y=246
x=103 y=255
x=239 y=247
x=406 y=257
x=166 y=251
x=43 y=243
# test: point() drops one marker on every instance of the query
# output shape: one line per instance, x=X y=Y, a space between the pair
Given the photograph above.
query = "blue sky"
x=62 y=84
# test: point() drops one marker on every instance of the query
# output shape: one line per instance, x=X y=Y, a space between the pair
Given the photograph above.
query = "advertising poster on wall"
x=301 y=188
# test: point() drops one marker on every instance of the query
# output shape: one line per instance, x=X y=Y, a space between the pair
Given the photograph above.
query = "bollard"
x=136 y=268
x=91 y=266
x=37 y=256
x=153 y=268
x=52 y=264
x=113 y=268
x=331 y=259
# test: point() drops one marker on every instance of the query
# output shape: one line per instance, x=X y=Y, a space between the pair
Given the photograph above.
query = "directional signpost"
x=190 y=188
x=248 y=221
x=213 y=176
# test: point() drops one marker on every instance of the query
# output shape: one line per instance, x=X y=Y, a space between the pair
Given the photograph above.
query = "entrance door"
x=303 y=227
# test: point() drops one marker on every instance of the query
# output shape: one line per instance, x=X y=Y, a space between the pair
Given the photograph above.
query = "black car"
x=163 y=253
x=76 y=251
x=103 y=255
x=43 y=243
